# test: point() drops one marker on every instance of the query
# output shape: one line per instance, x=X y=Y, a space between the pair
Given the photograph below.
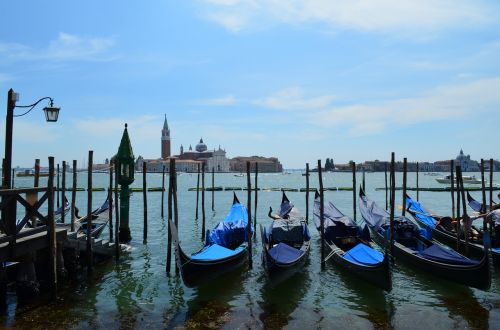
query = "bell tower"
x=165 y=140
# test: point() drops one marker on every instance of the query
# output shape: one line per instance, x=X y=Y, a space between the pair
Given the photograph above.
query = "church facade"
x=185 y=161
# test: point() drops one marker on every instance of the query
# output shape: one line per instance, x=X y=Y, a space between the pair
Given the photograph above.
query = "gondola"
x=476 y=205
x=444 y=231
x=351 y=247
x=224 y=250
x=99 y=220
x=286 y=242
x=412 y=247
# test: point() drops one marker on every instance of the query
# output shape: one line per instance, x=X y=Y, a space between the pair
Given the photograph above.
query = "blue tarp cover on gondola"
x=332 y=215
x=421 y=214
x=285 y=208
x=439 y=253
x=373 y=215
x=474 y=204
x=215 y=251
x=233 y=229
x=284 y=253
x=364 y=255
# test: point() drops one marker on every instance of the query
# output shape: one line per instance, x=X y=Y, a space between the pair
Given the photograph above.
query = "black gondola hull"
x=195 y=272
x=477 y=276
x=475 y=250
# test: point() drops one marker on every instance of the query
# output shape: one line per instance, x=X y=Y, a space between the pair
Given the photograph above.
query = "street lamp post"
x=51 y=115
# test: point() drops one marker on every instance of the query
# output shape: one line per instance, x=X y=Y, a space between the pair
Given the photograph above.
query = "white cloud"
x=293 y=99
x=381 y=16
x=143 y=127
x=67 y=47
x=448 y=103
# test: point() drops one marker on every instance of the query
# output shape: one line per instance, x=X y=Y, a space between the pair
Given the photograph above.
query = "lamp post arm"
x=32 y=106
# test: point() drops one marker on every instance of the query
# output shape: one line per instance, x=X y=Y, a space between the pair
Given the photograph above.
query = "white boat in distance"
x=467 y=179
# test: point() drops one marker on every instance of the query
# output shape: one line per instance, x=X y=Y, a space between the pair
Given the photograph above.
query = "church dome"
x=201 y=147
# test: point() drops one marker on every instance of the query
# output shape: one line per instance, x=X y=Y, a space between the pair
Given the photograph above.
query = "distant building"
x=165 y=140
x=271 y=164
x=466 y=163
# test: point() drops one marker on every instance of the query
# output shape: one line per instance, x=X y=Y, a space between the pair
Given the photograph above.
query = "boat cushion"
x=439 y=253
x=284 y=253
x=364 y=255
x=215 y=251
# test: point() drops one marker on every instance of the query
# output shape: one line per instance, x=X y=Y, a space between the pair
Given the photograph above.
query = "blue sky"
x=300 y=80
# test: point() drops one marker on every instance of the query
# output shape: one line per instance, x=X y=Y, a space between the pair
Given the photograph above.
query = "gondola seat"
x=215 y=251
x=284 y=253
x=364 y=255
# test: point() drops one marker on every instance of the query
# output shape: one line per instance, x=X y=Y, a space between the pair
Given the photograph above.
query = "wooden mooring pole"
x=393 y=199
x=163 y=192
x=457 y=222
x=307 y=193
x=36 y=184
x=364 y=181
x=176 y=213
x=491 y=182
x=52 y=228
x=321 y=213
x=73 y=197
x=249 y=210
x=90 y=257
x=418 y=197
x=110 y=200
x=405 y=170
x=465 y=217
x=197 y=191
x=117 y=216
x=452 y=189
x=63 y=192
x=353 y=168
x=491 y=192
x=169 y=216
x=483 y=195
x=58 y=188
x=203 y=201
x=386 y=190
x=213 y=188
x=145 y=199
x=255 y=202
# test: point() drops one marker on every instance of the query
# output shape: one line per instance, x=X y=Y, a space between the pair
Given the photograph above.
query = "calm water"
x=136 y=293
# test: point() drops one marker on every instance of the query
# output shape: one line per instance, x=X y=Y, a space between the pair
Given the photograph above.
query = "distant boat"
x=239 y=175
x=467 y=179
x=31 y=173
x=431 y=174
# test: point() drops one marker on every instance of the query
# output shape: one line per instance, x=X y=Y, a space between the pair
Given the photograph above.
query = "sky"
x=298 y=80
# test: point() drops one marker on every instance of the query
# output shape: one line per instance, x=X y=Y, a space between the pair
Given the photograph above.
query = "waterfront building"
x=271 y=164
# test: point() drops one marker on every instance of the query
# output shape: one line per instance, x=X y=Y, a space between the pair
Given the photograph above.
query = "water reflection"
x=459 y=300
x=280 y=298
x=210 y=304
x=371 y=302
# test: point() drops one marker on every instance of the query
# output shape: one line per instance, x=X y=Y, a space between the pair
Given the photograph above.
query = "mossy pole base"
x=124 y=234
